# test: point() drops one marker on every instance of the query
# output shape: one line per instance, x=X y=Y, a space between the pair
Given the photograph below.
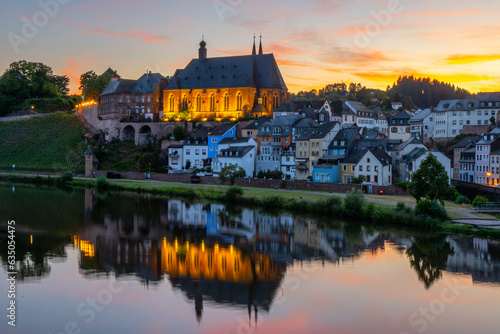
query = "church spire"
x=260 y=46
x=253 y=49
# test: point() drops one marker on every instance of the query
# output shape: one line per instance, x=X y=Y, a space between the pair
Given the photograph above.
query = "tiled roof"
x=318 y=132
x=120 y=86
x=222 y=129
x=260 y=71
x=147 y=83
x=467 y=141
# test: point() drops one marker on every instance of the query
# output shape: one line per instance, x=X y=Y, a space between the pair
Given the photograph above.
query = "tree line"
x=412 y=92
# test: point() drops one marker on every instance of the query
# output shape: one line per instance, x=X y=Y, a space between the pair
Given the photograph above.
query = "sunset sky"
x=315 y=42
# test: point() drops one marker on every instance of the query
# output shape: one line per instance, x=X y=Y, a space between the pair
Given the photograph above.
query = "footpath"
x=468 y=216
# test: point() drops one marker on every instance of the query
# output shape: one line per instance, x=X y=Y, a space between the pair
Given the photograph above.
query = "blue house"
x=326 y=173
x=226 y=130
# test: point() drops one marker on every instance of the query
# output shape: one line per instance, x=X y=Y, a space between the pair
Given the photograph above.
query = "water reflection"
x=212 y=253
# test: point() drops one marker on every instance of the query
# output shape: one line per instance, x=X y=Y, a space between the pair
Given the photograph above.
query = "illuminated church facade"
x=225 y=88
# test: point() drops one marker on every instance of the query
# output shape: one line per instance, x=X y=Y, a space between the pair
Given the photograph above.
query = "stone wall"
x=262 y=183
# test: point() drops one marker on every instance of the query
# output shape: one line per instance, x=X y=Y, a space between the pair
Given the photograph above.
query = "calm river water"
x=122 y=263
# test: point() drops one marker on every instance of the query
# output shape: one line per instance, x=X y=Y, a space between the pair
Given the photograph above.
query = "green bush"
x=233 y=193
x=403 y=185
x=461 y=199
x=478 y=199
x=432 y=209
x=102 y=183
x=354 y=202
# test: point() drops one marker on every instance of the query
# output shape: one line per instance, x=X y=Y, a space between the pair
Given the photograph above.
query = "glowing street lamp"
x=488 y=174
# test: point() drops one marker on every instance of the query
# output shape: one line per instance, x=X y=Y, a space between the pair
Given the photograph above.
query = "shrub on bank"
x=478 y=199
x=461 y=199
x=432 y=209
x=353 y=203
x=102 y=183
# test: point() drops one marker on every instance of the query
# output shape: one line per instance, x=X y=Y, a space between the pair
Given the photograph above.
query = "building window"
x=275 y=101
x=172 y=103
x=239 y=101
x=198 y=102
x=264 y=100
x=184 y=104
x=212 y=102
x=360 y=168
x=226 y=102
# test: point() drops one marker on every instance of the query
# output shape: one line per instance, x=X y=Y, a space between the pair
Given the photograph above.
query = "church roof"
x=259 y=71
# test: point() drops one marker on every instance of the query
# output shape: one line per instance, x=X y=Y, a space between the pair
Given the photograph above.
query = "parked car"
x=195 y=179
x=113 y=175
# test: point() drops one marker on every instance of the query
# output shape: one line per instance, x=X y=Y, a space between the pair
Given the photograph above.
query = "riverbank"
x=378 y=210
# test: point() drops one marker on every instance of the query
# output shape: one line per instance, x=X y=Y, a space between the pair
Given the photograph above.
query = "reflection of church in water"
x=233 y=257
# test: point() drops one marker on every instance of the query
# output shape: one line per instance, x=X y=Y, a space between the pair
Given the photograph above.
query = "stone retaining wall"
x=262 y=183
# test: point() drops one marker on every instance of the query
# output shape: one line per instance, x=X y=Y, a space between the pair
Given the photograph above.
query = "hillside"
x=54 y=143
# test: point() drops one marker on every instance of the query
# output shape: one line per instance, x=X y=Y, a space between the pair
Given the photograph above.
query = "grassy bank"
x=353 y=208
x=54 y=143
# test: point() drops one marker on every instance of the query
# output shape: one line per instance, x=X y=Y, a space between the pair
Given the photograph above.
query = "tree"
x=230 y=173
x=430 y=180
x=179 y=132
x=358 y=179
x=93 y=85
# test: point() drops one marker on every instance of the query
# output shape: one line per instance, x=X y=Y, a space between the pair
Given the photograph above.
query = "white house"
x=288 y=162
x=420 y=125
x=443 y=159
x=240 y=152
x=375 y=165
x=196 y=152
x=365 y=117
x=175 y=157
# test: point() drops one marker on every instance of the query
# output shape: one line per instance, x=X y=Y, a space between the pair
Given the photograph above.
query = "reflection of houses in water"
x=477 y=257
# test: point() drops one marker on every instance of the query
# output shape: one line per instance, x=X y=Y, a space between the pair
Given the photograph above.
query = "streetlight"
x=488 y=174
x=149 y=176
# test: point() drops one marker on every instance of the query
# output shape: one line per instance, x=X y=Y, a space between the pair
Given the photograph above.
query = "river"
x=89 y=262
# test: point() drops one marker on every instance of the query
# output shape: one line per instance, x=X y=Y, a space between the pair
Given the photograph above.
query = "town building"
x=133 y=99
x=239 y=152
x=458 y=148
x=399 y=126
x=223 y=88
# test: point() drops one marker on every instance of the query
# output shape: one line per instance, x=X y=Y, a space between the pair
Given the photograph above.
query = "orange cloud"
x=74 y=68
x=468 y=59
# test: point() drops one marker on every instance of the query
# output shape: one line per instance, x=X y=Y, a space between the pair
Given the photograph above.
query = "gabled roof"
x=238 y=140
x=112 y=72
x=421 y=115
x=259 y=71
x=286 y=107
x=415 y=154
x=147 y=83
x=202 y=132
x=221 y=129
x=266 y=129
x=382 y=156
x=456 y=105
x=120 y=86
x=354 y=157
x=370 y=144
x=318 y=132
x=407 y=142
x=467 y=141
x=358 y=107
x=305 y=122
x=371 y=134
x=347 y=134
x=234 y=151
x=255 y=124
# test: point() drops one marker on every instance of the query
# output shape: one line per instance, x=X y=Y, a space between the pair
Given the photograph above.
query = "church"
x=225 y=88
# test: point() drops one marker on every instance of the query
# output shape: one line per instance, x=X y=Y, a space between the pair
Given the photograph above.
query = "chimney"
x=432 y=108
